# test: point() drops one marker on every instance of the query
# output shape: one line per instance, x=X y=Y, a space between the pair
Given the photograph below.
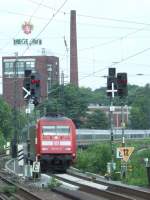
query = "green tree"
x=6 y=119
x=97 y=120
x=94 y=158
x=68 y=100
x=140 y=112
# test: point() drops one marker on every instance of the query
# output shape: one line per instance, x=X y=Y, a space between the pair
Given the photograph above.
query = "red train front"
x=55 y=143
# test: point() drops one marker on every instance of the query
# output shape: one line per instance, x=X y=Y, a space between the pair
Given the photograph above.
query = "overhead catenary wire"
x=31 y=16
x=36 y=9
x=107 y=42
x=97 y=17
x=79 y=23
x=119 y=62
x=112 y=41
x=94 y=46
x=49 y=21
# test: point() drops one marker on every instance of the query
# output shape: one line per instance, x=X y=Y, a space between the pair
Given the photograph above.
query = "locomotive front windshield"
x=56 y=130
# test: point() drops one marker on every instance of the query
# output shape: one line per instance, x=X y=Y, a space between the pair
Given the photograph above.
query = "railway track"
x=100 y=188
x=21 y=193
x=3 y=155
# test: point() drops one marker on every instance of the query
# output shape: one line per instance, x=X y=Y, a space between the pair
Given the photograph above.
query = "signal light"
x=33 y=81
x=26 y=81
x=35 y=88
x=112 y=72
x=122 y=84
x=111 y=79
x=32 y=92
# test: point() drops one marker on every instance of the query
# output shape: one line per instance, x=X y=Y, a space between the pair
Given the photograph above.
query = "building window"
x=20 y=69
x=49 y=67
x=49 y=73
x=49 y=85
x=30 y=65
x=8 y=69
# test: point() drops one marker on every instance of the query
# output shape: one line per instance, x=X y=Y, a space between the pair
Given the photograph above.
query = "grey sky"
x=108 y=31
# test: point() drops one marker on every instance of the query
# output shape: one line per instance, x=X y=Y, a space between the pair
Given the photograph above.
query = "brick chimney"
x=73 y=50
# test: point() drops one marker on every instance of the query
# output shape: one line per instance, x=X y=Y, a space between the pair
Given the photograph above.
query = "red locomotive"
x=53 y=143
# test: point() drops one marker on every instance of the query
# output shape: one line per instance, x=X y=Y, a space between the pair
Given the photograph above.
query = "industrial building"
x=13 y=70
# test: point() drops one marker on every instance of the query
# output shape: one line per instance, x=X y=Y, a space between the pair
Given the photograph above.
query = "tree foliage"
x=68 y=100
x=94 y=159
x=97 y=120
x=8 y=119
x=5 y=119
x=73 y=102
x=140 y=112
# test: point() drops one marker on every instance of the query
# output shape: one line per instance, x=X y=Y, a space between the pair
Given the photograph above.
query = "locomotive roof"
x=55 y=118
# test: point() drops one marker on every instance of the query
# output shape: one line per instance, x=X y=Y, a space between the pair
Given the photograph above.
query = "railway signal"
x=122 y=84
x=35 y=88
x=26 y=84
x=31 y=87
x=27 y=92
x=111 y=82
x=112 y=90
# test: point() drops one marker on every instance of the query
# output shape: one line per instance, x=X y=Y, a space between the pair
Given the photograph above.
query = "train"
x=86 y=137
x=52 y=143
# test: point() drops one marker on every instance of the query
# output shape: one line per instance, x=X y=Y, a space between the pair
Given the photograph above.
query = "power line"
x=79 y=23
x=112 y=41
x=45 y=26
x=19 y=30
x=38 y=6
x=96 y=17
x=112 y=19
x=22 y=14
x=46 y=6
x=119 y=62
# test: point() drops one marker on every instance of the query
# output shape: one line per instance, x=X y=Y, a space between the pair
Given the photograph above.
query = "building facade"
x=13 y=69
x=117 y=113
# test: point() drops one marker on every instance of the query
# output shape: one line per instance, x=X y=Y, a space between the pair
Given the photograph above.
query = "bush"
x=94 y=159
x=8 y=189
x=53 y=183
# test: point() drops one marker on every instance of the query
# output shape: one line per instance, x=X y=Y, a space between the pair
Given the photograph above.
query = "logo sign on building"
x=126 y=152
x=27 y=42
x=27 y=28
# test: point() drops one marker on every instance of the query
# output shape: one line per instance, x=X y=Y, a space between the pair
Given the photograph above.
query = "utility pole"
x=122 y=93
x=122 y=124
x=28 y=142
x=62 y=94
x=31 y=88
x=111 y=90
x=14 y=144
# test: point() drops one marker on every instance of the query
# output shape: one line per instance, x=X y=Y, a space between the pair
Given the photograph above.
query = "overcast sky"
x=111 y=33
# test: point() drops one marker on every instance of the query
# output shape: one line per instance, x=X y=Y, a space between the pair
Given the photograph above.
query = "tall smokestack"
x=73 y=50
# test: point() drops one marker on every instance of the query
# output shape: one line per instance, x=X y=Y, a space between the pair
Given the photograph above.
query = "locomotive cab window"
x=55 y=130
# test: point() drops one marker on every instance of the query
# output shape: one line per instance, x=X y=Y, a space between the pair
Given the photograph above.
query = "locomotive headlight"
x=67 y=148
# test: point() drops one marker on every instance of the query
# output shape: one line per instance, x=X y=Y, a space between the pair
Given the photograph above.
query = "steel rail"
x=96 y=192
x=138 y=193
x=21 y=191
